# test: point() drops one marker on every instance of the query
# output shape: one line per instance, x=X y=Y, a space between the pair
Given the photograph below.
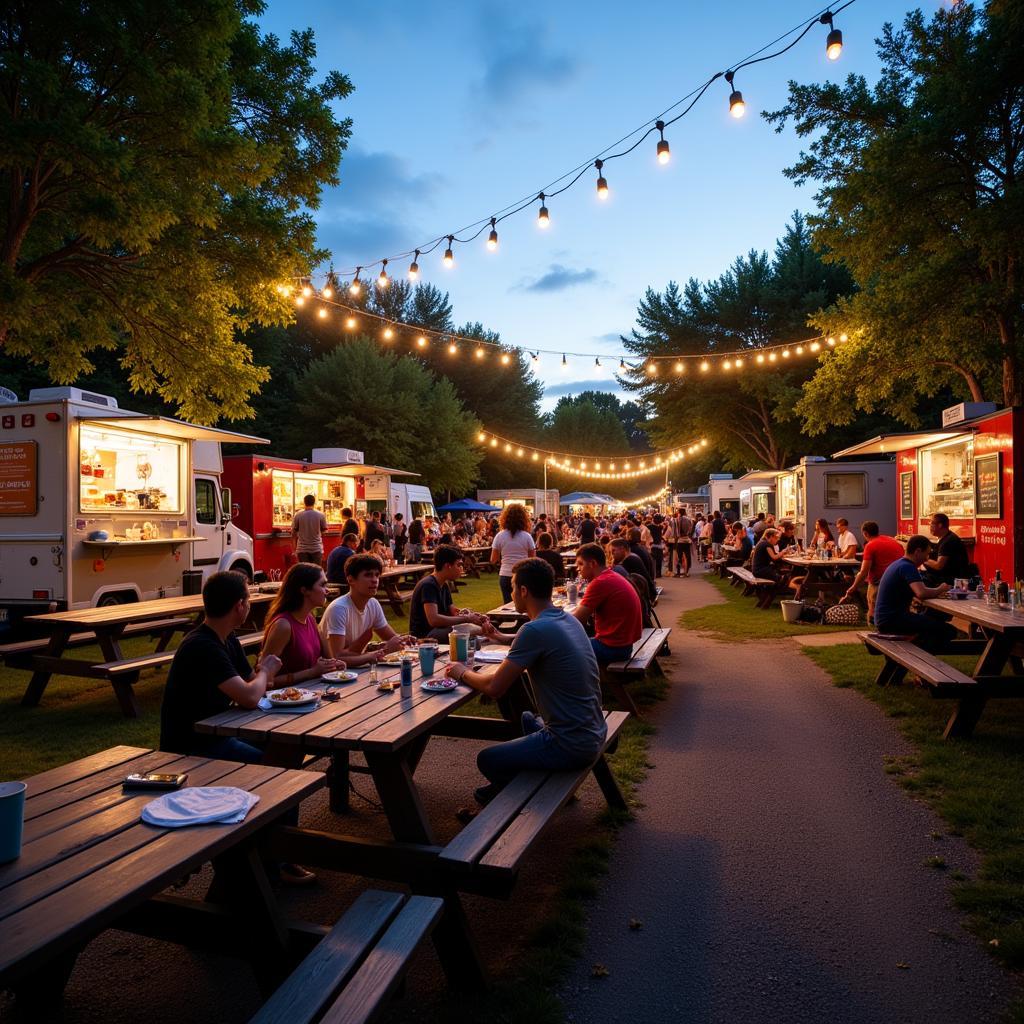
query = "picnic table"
x=89 y=863
x=392 y=580
x=109 y=624
x=823 y=575
x=506 y=614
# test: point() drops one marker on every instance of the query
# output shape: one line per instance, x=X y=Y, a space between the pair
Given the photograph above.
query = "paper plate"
x=308 y=696
x=339 y=677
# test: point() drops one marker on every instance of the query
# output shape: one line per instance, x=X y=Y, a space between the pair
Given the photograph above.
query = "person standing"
x=719 y=529
x=684 y=544
x=879 y=553
x=670 y=538
x=512 y=545
x=401 y=532
x=414 y=549
x=657 y=529
x=308 y=529
x=588 y=529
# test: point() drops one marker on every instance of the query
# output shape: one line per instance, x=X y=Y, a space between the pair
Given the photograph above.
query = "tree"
x=390 y=407
x=581 y=425
x=158 y=163
x=920 y=198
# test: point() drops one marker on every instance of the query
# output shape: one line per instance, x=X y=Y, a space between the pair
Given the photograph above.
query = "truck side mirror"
x=227 y=511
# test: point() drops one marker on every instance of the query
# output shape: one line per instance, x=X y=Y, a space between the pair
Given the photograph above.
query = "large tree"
x=158 y=162
x=920 y=197
x=581 y=425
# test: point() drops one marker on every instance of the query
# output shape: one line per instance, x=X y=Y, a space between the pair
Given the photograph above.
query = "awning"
x=350 y=469
x=164 y=426
x=887 y=444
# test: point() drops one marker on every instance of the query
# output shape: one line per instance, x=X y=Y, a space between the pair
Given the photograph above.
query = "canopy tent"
x=585 y=498
x=468 y=505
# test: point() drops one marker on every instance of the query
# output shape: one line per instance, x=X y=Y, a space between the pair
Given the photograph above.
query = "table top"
x=87 y=857
x=398 y=571
x=821 y=563
x=136 y=611
x=364 y=718
x=995 y=617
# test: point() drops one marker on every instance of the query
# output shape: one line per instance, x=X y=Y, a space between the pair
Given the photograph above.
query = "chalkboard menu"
x=906 y=495
x=988 y=486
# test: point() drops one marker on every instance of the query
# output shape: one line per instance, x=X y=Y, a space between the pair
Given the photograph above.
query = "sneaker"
x=531 y=723
x=295 y=874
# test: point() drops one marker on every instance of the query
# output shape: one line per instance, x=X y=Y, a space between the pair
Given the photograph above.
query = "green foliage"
x=581 y=425
x=158 y=163
x=920 y=198
x=390 y=407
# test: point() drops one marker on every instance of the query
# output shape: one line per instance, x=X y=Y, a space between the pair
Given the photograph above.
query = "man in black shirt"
x=430 y=609
x=588 y=529
x=209 y=671
x=950 y=561
x=546 y=551
x=631 y=563
x=374 y=531
x=414 y=549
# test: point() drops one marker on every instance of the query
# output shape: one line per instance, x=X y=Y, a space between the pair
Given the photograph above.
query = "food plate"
x=438 y=685
x=339 y=677
x=292 y=697
x=394 y=658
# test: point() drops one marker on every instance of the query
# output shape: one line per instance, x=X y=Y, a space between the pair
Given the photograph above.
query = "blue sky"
x=459 y=109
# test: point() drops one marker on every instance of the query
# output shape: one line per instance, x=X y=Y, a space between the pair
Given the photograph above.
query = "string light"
x=382 y=278
x=354 y=287
x=492 y=238
x=414 y=267
x=300 y=300
x=543 y=217
x=388 y=334
x=421 y=341
x=449 y=256
x=663 y=151
x=602 y=182
x=834 y=41
x=322 y=313
x=330 y=285
x=307 y=291
x=350 y=323
x=505 y=359
x=452 y=348
x=736 y=105
x=479 y=352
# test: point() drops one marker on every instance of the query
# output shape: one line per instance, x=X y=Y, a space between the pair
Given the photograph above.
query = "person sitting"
x=950 y=562
x=341 y=554
x=554 y=648
x=431 y=615
x=625 y=562
x=765 y=556
x=822 y=537
x=611 y=603
x=737 y=546
x=641 y=549
x=350 y=622
x=546 y=551
x=879 y=553
x=901 y=584
x=846 y=542
x=382 y=550
x=292 y=633
x=787 y=539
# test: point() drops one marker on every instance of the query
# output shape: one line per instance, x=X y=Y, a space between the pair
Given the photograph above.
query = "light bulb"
x=652 y=368
x=815 y=346
x=771 y=357
x=492 y=238
x=452 y=349
x=327 y=292
x=505 y=358
x=602 y=188
x=479 y=353
x=481 y=436
x=543 y=217
x=831 y=341
x=534 y=456
x=737 y=363
x=736 y=105
x=680 y=366
x=421 y=341
x=354 y=287
x=705 y=366
x=843 y=337
x=760 y=357
x=785 y=353
x=494 y=442
x=727 y=364
x=388 y=334
x=519 y=452
x=306 y=291
x=508 y=447
x=350 y=323
x=663 y=151
x=414 y=267
x=382 y=278
x=703 y=442
x=834 y=44
x=300 y=300
x=799 y=350
x=564 y=363
x=322 y=313
x=449 y=256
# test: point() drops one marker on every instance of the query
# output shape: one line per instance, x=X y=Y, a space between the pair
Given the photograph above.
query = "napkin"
x=288 y=709
x=199 y=805
x=491 y=656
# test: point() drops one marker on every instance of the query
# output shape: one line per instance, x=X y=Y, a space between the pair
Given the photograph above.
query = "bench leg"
x=890 y=672
x=621 y=694
x=609 y=787
x=456 y=949
x=124 y=691
x=338 y=788
x=962 y=722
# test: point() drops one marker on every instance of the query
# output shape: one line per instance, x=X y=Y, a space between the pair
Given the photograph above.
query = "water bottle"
x=406 y=677
x=471 y=651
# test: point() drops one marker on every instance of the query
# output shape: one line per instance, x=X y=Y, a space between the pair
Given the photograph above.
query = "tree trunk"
x=1013 y=395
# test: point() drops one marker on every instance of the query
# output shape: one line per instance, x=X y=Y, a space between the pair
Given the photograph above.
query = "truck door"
x=207 y=552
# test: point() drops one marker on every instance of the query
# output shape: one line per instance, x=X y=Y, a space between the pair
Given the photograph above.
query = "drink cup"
x=12 y=817
x=458 y=646
x=428 y=652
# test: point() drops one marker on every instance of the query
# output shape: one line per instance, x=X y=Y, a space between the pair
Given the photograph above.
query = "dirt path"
x=777 y=871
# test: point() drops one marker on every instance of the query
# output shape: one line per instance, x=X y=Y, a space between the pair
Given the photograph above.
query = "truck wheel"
x=244 y=568
x=108 y=600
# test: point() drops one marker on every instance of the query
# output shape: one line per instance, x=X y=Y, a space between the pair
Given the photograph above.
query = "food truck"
x=100 y=505
x=724 y=495
x=965 y=469
x=269 y=491
x=535 y=500
x=757 y=493
x=855 y=490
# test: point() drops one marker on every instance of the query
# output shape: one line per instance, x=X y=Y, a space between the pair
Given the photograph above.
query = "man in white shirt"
x=846 y=542
x=308 y=529
x=349 y=623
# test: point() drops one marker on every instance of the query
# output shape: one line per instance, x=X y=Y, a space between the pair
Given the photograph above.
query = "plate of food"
x=439 y=685
x=292 y=696
x=394 y=658
x=339 y=677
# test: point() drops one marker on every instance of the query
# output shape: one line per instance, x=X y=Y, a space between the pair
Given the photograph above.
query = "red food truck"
x=964 y=468
x=267 y=492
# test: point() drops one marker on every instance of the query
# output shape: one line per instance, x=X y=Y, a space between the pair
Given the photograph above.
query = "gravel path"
x=776 y=870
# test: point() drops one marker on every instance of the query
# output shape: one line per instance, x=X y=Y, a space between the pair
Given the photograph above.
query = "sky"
x=460 y=109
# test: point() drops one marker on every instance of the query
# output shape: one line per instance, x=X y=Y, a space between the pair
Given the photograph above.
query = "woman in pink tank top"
x=292 y=632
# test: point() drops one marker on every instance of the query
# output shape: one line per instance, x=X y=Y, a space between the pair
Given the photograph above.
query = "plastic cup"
x=428 y=652
x=12 y=817
x=458 y=646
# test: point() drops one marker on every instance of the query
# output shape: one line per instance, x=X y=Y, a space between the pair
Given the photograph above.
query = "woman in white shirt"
x=512 y=544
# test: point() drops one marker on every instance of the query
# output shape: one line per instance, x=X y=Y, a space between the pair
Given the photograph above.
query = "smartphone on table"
x=155 y=780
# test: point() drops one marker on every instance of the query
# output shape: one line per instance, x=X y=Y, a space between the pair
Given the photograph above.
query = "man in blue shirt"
x=901 y=583
x=554 y=647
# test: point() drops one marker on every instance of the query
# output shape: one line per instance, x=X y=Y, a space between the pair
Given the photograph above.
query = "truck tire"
x=109 y=600
x=244 y=568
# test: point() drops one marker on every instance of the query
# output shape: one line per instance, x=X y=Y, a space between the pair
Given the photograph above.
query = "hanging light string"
x=648 y=499
x=469 y=233
x=596 y=467
x=761 y=357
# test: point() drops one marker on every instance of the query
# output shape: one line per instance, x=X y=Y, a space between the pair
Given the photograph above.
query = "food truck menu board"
x=906 y=495
x=18 y=478
x=988 y=487
x=126 y=472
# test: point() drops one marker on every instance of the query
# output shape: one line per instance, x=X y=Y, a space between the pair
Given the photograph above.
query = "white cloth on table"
x=491 y=656
x=199 y=805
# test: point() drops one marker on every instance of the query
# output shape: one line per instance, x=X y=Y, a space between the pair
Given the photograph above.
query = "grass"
x=740 y=618
x=974 y=784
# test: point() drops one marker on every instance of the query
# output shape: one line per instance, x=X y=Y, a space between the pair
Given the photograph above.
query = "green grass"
x=975 y=784
x=80 y=716
x=740 y=618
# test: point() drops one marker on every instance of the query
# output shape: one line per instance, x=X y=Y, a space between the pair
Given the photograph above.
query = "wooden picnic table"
x=391 y=581
x=108 y=624
x=823 y=575
x=89 y=863
x=506 y=614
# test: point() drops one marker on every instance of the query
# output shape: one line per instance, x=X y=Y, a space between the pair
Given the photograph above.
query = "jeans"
x=657 y=556
x=931 y=632
x=502 y=762
x=684 y=556
x=505 y=582
x=605 y=654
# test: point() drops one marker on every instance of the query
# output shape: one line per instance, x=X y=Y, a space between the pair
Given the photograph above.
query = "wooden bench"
x=764 y=590
x=646 y=650
x=354 y=970
x=131 y=667
x=162 y=628
x=485 y=856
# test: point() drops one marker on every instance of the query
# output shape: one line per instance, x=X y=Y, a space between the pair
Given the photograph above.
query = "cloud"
x=558 y=278
x=574 y=387
x=612 y=337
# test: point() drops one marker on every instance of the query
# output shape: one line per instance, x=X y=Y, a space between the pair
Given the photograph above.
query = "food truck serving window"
x=947 y=478
x=283 y=485
x=787 y=496
x=846 y=490
x=121 y=471
x=290 y=489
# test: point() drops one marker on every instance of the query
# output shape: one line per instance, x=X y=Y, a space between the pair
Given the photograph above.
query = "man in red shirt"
x=611 y=602
x=879 y=553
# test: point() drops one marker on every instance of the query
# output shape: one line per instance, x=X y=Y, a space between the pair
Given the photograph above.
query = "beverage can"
x=406 y=677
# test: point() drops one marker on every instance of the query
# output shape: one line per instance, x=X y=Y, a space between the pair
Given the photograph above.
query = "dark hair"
x=302 y=575
x=544 y=541
x=309 y=501
x=350 y=530
x=398 y=515
x=591 y=553
x=869 y=528
x=918 y=543
x=634 y=535
x=619 y=542
x=717 y=515
x=787 y=524
x=447 y=554
x=357 y=564
x=222 y=591
x=941 y=518
x=536 y=575
x=587 y=515
x=513 y=518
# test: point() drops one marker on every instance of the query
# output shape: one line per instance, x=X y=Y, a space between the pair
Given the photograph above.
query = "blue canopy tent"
x=468 y=505
x=584 y=498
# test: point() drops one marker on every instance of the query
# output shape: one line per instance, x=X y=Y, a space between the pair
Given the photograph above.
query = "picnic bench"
x=763 y=589
x=652 y=643
x=354 y=970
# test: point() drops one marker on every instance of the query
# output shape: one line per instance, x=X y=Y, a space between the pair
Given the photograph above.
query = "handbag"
x=842 y=615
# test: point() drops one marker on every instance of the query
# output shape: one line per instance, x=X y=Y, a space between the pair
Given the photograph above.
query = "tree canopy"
x=158 y=163
x=920 y=197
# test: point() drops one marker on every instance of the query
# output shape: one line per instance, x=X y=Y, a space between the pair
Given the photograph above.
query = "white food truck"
x=535 y=500
x=99 y=505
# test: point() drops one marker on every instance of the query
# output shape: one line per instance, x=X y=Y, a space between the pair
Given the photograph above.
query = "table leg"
x=109 y=639
x=392 y=775
x=962 y=722
x=37 y=684
x=40 y=994
x=394 y=597
x=995 y=656
x=338 y=786
x=609 y=787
